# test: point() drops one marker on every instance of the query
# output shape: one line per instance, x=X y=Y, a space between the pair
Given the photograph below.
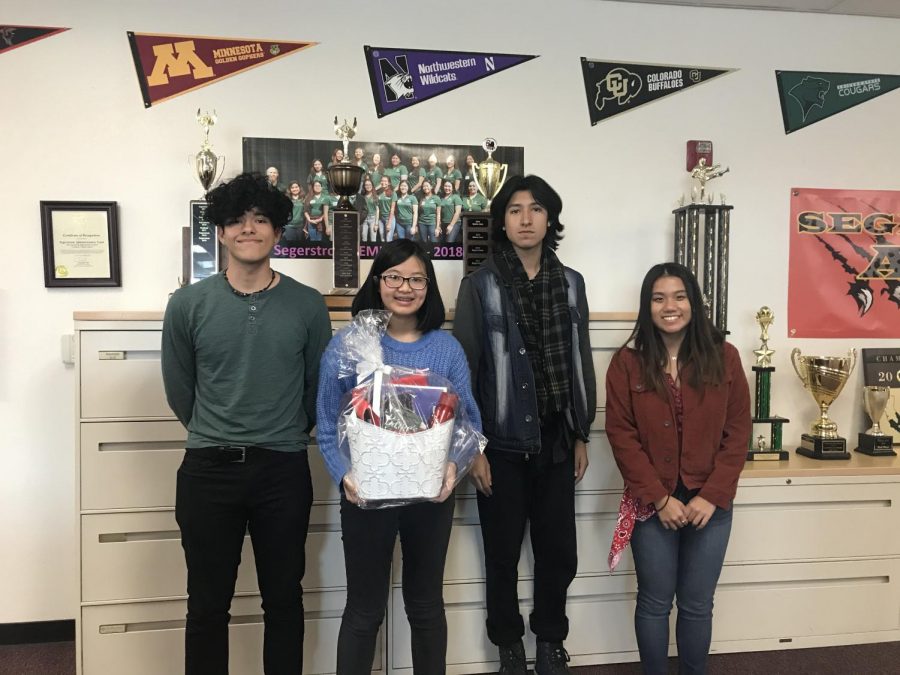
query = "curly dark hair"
x=543 y=194
x=232 y=199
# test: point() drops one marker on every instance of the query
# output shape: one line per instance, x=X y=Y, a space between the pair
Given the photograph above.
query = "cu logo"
x=619 y=84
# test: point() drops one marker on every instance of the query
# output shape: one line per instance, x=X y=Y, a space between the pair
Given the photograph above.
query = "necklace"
x=241 y=294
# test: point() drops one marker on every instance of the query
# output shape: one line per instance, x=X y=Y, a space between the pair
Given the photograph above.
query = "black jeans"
x=543 y=493
x=369 y=537
x=216 y=502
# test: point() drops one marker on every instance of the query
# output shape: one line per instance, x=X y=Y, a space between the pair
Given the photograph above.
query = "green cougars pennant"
x=809 y=97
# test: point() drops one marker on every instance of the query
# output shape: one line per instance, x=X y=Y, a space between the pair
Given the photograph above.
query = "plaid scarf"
x=543 y=312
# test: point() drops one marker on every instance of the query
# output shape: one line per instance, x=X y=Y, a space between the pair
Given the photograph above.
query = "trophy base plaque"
x=876 y=446
x=345 y=256
x=817 y=447
x=767 y=455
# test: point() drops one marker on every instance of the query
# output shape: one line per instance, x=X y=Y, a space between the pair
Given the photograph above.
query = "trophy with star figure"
x=761 y=412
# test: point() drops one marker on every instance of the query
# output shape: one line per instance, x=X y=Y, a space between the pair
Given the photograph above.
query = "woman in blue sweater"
x=403 y=282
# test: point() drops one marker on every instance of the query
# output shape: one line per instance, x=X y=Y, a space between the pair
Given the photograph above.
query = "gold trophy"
x=207 y=165
x=703 y=174
x=874 y=441
x=490 y=174
x=824 y=377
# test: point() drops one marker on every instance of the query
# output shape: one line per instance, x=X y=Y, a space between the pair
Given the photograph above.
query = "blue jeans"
x=685 y=564
x=401 y=229
x=385 y=228
x=426 y=234
x=368 y=229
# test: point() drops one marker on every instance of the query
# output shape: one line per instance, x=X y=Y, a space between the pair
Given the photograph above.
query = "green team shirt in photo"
x=384 y=204
x=428 y=210
x=375 y=177
x=371 y=203
x=394 y=173
x=476 y=203
x=317 y=205
x=453 y=176
x=433 y=176
x=414 y=177
x=448 y=207
x=319 y=178
x=297 y=214
x=404 y=211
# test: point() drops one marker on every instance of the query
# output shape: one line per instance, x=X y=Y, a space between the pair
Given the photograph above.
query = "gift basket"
x=402 y=432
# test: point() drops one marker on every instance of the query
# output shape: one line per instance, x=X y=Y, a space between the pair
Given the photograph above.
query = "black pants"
x=369 y=537
x=543 y=493
x=217 y=501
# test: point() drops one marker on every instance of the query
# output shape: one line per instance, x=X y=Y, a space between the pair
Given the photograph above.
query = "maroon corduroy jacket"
x=641 y=428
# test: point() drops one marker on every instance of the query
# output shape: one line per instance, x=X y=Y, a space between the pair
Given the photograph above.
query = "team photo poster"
x=304 y=162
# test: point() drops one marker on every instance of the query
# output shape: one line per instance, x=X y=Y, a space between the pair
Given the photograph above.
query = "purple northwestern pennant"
x=403 y=77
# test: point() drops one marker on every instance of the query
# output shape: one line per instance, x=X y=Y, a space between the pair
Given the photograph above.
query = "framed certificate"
x=81 y=244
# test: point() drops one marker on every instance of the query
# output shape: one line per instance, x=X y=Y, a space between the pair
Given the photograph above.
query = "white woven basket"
x=389 y=465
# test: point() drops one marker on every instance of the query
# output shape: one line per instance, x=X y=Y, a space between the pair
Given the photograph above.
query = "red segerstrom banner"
x=844 y=276
x=169 y=65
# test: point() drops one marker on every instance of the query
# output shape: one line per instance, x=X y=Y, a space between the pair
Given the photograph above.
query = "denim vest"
x=505 y=384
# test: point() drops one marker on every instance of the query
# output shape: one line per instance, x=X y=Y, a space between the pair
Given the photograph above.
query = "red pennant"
x=169 y=65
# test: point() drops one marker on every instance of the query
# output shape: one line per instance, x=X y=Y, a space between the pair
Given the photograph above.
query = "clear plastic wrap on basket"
x=404 y=433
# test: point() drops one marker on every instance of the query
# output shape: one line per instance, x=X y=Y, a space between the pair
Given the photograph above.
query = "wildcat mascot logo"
x=396 y=80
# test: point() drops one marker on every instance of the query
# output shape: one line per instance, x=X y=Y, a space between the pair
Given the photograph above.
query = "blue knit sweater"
x=437 y=351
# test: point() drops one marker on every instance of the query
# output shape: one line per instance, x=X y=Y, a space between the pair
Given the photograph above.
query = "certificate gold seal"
x=62 y=271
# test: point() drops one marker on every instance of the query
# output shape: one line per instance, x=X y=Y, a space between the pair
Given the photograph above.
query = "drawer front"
x=785 y=601
x=130 y=464
x=120 y=374
x=135 y=556
x=148 y=638
x=139 y=556
x=815 y=521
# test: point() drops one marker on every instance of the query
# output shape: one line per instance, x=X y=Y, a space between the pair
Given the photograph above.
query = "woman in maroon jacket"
x=678 y=420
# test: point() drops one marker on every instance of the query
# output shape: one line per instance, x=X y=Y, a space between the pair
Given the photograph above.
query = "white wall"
x=73 y=127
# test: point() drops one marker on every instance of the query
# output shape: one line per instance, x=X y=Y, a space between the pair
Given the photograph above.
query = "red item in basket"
x=445 y=408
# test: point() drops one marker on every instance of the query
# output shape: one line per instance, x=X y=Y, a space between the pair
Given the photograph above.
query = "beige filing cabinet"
x=814 y=557
x=132 y=576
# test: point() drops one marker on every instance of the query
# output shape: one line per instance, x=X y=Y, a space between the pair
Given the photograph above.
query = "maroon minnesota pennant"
x=169 y=65
x=19 y=36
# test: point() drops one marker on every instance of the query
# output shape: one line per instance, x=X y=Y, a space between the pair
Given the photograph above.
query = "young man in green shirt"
x=240 y=364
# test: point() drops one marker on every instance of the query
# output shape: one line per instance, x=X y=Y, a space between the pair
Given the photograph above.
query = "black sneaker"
x=551 y=659
x=512 y=659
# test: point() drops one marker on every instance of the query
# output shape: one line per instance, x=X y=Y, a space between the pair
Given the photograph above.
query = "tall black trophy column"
x=344 y=179
x=705 y=228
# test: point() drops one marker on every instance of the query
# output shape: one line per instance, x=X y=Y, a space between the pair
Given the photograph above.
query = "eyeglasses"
x=396 y=281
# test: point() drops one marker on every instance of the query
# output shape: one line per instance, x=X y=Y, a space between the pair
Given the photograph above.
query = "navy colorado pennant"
x=614 y=87
x=403 y=77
